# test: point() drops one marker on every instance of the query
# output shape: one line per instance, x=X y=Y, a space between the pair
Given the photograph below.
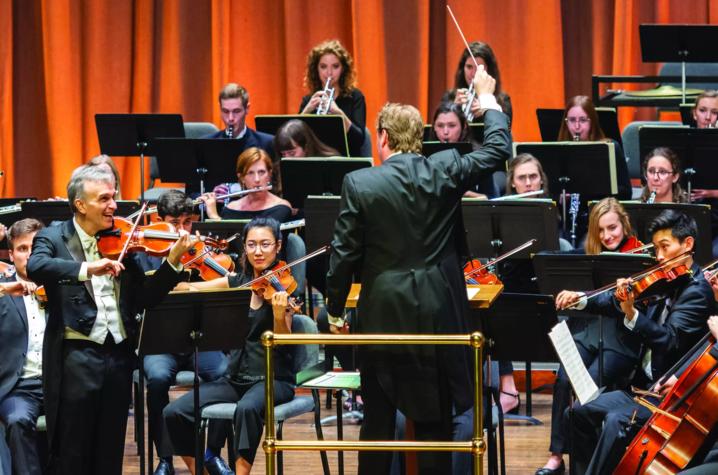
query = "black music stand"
x=430 y=148
x=642 y=214
x=50 y=211
x=201 y=164
x=556 y=272
x=550 y=120
x=320 y=214
x=678 y=44
x=129 y=135
x=494 y=227
x=192 y=322
x=302 y=177
x=476 y=132
x=328 y=128
x=534 y=315
x=696 y=148
x=686 y=111
x=10 y=209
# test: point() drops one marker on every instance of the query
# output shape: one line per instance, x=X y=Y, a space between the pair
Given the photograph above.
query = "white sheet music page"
x=583 y=385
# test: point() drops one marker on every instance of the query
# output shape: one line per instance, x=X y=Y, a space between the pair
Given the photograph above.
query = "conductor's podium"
x=480 y=296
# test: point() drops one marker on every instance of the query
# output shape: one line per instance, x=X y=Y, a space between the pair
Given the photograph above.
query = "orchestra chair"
x=631 y=146
x=306 y=358
x=692 y=69
x=192 y=130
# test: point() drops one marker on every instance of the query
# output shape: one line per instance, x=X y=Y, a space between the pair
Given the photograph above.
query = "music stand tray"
x=328 y=128
x=494 y=227
x=430 y=148
x=49 y=211
x=192 y=322
x=302 y=177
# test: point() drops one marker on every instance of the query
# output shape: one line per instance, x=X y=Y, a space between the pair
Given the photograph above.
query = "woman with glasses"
x=254 y=169
x=662 y=172
x=580 y=124
x=243 y=382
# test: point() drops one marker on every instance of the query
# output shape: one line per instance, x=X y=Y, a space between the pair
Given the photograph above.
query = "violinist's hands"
x=313 y=102
x=663 y=389
x=210 y=205
x=18 y=288
x=713 y=326
x=627 y=300
x=698 y=194
x=566 y=298
x=104 y=266
x=3 y=231
x=183 y=287
x=182 y=245
x=483 y=83
x=343 y=330
x=280 y=303
x=713 y=280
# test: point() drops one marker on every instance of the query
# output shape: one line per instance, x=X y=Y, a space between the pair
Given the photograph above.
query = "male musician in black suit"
x=93 y=304
x=22 y=325
x=665 y=330
x=400 y=230
x=233 y=107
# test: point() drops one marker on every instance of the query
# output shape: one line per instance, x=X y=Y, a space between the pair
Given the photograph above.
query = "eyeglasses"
x=659 y=172
x=577 y=120
x=251 y=246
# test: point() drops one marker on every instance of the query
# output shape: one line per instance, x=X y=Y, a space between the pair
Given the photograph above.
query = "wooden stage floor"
x=526 y=446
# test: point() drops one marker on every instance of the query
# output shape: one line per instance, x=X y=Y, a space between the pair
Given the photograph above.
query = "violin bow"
x=510 y=253
x=463 y=37
x=274 y=272
x=207 y=250
x=132 y=232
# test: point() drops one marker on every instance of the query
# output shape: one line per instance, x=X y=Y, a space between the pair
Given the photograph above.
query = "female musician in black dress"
x=331 y=61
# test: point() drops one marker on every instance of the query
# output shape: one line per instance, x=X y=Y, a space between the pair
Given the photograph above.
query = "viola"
x=677 y=430
x=477 y=273
x=155 y=239
x=210 y=264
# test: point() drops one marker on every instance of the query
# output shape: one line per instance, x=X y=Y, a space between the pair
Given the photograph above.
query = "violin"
x=155 y=239
x=210 y=264
x=678 y=428
x=477 y=273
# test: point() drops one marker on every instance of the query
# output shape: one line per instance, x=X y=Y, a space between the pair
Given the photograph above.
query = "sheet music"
x=471 y=292
x=584 y=387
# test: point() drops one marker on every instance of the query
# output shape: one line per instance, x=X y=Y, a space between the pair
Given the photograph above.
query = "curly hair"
x=347 y=81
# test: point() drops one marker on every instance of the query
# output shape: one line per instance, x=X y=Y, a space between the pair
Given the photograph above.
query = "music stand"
x=49 y=211
x=129 y=135
x=302 y=177
x=201 y=163
x=550 y=120
x=430 y=148
x=696 y=148
x=192 y=322
x=678 y=44
x=686 y=111
x=476 y=132
x=494 y=227
x=328 y=128
x=10 y=209
x=642 y=214
x=535 y=315
x=223 y=229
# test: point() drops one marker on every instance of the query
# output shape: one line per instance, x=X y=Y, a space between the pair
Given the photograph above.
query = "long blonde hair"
x=606 y=205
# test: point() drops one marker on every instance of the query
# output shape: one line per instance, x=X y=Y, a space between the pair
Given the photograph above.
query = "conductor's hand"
x=566 y=298
x=483 y=83
x=104 y=266
x=182 y=245
x=18 y=289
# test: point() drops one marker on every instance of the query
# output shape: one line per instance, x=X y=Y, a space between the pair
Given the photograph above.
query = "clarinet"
x=651 y=197
x=228 y=132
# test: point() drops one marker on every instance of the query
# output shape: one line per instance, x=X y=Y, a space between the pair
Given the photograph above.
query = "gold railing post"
x=270 y=439
x=477 y=442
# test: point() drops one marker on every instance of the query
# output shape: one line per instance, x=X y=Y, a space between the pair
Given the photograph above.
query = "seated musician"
x=580 y=123
x=330 y=61
x=22 y=326
x=609 y=229
x=662 y=171
x=254 y=169
x=705 y=111
x=176 y=208
x=660 y=332
x=106 y=162
x=243 y=381
x=295 y=139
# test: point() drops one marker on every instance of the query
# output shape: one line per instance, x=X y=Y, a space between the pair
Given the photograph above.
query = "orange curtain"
x=63 y=61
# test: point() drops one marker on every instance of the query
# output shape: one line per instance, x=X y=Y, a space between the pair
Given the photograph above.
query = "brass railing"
x=476 y=446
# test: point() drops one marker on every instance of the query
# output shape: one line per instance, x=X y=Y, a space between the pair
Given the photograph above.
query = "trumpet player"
x=330 y=66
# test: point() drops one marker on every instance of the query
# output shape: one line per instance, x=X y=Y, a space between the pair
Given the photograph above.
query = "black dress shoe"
x=164 y=469
x=217 y=466
x=548 y=471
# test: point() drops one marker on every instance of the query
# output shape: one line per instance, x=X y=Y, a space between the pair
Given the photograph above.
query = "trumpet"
x=466 y=108
x=327 y=98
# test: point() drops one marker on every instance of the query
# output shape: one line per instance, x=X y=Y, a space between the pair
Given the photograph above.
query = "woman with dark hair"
x=580 y=124
x=295 y=139
x=662 y=171
x=243 y=381
x=465 y=71
x=330 y=61
x=254 y=169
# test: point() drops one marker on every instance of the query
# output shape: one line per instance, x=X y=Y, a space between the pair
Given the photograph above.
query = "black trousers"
x=94 y=401
x=19 y=411
x=379 y=424
x=616 y=367
x=598 y=451
x=248 y=417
